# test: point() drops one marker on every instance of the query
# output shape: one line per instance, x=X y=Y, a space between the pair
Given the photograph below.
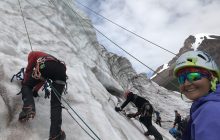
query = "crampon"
x=26 y=114
x=61 y=136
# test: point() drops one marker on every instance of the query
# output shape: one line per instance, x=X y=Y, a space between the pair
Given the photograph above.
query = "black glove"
x=47 y=93
x=117 y=109
x=131 y=115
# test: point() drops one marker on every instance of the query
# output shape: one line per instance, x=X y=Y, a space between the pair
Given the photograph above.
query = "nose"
x=184 y=85
x=187 y=82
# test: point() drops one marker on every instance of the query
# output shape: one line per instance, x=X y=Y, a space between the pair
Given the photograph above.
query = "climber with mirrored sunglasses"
x=192 y=74
x=198 y=77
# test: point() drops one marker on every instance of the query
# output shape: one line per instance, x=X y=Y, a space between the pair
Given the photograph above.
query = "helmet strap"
x=214 y=82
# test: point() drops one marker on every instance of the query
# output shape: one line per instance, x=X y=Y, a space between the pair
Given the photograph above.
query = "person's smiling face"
x=196 y=89
x=194 y=83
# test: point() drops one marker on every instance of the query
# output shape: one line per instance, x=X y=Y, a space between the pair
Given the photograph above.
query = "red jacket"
x=32 y=60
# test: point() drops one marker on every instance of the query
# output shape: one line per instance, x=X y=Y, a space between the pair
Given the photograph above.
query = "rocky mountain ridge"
x=209 y=44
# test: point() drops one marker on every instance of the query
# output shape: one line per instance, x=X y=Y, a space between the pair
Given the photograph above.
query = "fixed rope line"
x=69 y=30
x=22 y=14
x=120 y=47
x=78 y=17
x=79 y=124
x=117 y=44
x=127 y=29
x=73 y=117
x=113 y=41
x=133 y=57
x=59 y=95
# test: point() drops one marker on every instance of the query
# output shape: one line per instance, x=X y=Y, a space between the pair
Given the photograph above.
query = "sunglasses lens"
x=191 y=77
x=194 y=76
x=181 y=79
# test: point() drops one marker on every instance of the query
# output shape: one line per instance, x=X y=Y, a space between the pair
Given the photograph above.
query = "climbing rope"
x=125 y=28
x=55 y=91
x=119 y=46
x=57 y=94
x=101 y=34
x=25 y=25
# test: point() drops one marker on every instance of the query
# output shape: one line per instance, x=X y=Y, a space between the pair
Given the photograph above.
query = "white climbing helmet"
x=196 y=59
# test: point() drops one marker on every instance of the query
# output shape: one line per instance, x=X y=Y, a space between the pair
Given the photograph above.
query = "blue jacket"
x=173 y=131
x=204 y=121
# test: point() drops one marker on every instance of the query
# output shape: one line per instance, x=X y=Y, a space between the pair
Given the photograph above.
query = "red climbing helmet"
x=127 y=93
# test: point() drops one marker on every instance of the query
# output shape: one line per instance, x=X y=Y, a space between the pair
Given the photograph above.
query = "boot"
x=61 y=136
x=153 y=131
x=27 y=113
x=147 y=133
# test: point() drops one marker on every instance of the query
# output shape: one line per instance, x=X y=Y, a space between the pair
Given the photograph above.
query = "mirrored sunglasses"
x=191 y=77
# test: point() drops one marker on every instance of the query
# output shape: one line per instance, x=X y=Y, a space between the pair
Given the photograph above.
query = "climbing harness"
x=47 y=89
x=41 y=64
x=36 y=71
x=62 y=83
x=37 y=74
x=146 y=108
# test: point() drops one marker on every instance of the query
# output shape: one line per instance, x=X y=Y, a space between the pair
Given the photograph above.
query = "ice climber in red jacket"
x=41 y=67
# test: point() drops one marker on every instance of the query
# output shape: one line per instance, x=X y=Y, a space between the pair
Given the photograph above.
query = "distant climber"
x=40 y=67
x=177 y=130
x=177 y=120
x=158 y=118
x=145 y=110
